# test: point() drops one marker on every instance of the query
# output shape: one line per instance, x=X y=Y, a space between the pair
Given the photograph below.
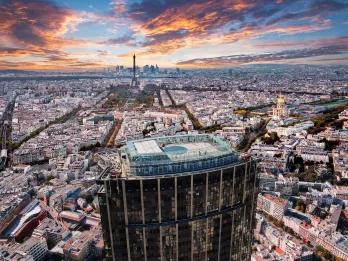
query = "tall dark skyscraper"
x=178 y=198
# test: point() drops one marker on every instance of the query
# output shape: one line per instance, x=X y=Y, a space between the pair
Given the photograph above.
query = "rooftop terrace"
x=175 y=154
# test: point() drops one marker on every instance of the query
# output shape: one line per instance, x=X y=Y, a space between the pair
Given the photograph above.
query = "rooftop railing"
x=165 y=168
x=221 y=148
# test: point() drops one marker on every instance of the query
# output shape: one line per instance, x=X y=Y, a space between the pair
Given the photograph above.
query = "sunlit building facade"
x=179 y=198
x=280 y=111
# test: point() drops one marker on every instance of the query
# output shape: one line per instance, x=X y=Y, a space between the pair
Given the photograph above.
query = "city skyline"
x=62 y=35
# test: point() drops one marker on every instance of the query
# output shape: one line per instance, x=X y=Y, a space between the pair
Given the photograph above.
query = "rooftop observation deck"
x=175 y=155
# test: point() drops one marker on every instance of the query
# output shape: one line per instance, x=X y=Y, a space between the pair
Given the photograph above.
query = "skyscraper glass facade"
x=195 y=215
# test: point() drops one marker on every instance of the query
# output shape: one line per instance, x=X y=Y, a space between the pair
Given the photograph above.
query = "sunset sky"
x=83 y=34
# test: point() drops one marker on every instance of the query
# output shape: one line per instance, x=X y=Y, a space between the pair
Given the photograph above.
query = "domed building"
x=280 y=111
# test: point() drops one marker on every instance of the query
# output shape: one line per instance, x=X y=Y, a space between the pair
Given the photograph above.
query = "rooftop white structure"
x=175 y=154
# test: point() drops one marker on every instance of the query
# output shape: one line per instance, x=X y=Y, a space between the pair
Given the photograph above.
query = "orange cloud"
x=35 y=26
x=194 y=23
x=37 y=29
x=189 y=24
x=53 y=63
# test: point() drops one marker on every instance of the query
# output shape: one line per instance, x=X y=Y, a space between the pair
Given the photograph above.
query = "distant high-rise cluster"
x=151 y=69
x=135 y=70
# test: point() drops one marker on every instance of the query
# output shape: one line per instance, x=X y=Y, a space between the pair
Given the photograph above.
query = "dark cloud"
x=163 y=37
x=342 y=41
x=315 y=10
x=148 y=9
x=35 y=26
x=161 y=21
x=123 y=40
x=268 y=57
x=103 y=52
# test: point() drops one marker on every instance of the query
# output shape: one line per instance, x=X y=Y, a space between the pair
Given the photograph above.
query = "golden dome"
x=281 y=99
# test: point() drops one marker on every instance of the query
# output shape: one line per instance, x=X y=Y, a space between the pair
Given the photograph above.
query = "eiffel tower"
x=135 y=82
